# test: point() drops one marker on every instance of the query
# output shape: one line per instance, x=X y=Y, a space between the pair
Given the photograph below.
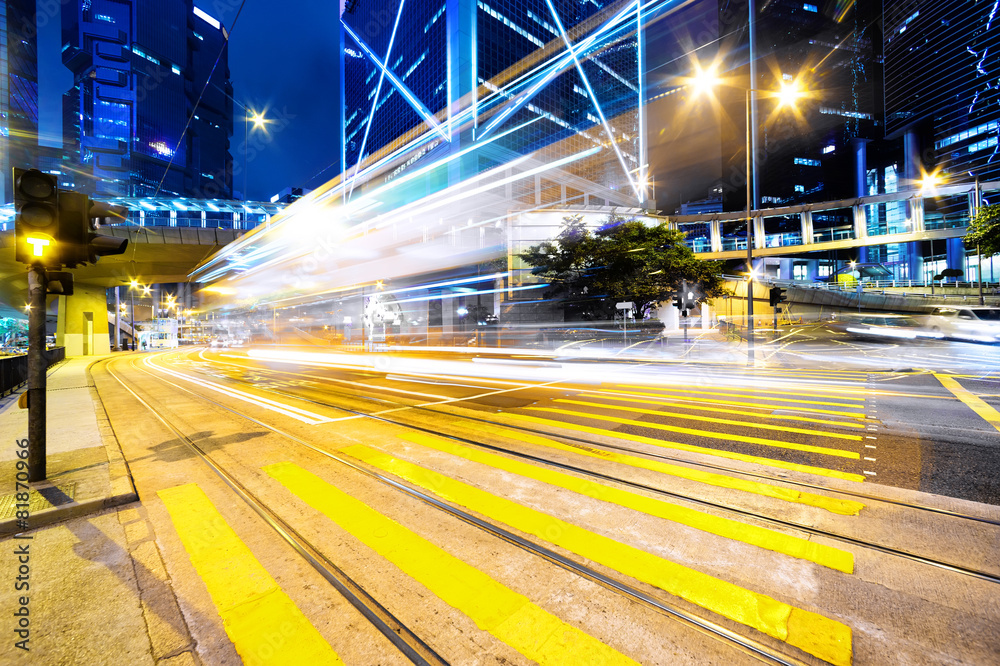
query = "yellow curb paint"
x=826 y=556
x=507 y=615
x=971 y=401
x=709 y=419
x=840 y=453
x=833 y=505
x=810 y=632
x=753 y=405
x=263 y=623
x=770 y=462
x=665 y=401
x=757 y=397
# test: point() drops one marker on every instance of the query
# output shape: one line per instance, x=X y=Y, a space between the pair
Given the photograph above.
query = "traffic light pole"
x=37 y=367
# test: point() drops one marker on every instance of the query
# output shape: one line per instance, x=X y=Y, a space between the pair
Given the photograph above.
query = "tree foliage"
x=984 y=230
x=624 y=260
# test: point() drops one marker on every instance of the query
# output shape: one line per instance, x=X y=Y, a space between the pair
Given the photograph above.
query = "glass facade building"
x=139 y=68
x=550 y=79
x=18 y=90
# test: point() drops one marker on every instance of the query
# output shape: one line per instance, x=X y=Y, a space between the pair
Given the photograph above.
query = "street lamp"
x=132 y=287
x=258 y=123
x=705 y=81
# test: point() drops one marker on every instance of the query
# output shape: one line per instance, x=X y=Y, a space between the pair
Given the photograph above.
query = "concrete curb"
x=120 y=477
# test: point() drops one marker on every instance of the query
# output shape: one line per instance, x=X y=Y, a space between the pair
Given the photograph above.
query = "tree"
x=624 y=260
x=984 y=231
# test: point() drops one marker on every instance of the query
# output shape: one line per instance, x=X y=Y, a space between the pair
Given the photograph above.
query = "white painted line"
x=867 y=458
x=870 y=446
x=870 y=437
x=870 y=473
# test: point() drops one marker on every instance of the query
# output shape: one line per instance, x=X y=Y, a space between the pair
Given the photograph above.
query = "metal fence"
x=14 y=369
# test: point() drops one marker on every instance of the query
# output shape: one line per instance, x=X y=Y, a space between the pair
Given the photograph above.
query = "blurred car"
x=981 y=324
x=219 y=343
x=884 y=327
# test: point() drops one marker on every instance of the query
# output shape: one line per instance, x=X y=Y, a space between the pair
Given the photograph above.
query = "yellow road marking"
x=507 y=615
x=843 y=507
x=709 y=419
x=980 y=407
x=755 y=397
x=261 y=620
x=759 y=460
x=813 y=633
x=686 y=404
x=761 y=537
x=840 y=453
x=752 y=405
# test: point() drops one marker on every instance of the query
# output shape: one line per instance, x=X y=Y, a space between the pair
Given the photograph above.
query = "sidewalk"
x=84 y=464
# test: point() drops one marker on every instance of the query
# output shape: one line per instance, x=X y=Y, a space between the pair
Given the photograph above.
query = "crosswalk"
x=809 y=430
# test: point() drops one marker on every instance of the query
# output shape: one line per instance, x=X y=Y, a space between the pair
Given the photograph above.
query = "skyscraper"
x=18 y=90
x=131 y=120
x=555 y=80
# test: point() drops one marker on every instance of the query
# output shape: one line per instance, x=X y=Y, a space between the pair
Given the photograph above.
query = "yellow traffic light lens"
x=38 y=245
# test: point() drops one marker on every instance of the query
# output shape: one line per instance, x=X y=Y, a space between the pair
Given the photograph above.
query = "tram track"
x=384 y=621
x=743 y=513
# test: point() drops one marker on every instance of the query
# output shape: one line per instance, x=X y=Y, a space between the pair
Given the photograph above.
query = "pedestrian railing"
x=14 y=369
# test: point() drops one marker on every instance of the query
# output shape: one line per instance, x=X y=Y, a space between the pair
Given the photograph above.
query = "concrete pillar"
x=82 y=326
x=860 y=222
x=807 y=227
x=706 y=316
x=912 y=163
x=758 y=232
x=955 y=254
x=715 y=235
x=860 y=148
x=914 y=261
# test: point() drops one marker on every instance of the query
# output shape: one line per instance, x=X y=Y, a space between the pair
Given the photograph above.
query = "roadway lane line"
x=710 y=419
x=807 y=410
x=253 y=607
x=662 y=443
x=813 y=633
x=719 y=410
x=755 y=397
x=833 y=505
x=971 y=401
x=768 y=539
x=510 y=617
x=711 y=434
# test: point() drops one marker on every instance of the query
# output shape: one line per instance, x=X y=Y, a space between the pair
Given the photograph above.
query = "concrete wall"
x=83 y=322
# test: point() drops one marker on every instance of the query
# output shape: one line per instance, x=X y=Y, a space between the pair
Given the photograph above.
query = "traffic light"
x=36 y=222
x=777 y=295
x=678 y=301
x=78 y=243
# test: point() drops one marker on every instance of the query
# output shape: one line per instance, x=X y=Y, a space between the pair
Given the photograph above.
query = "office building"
x=18 y=91
x=140 y=69
x=432 y=79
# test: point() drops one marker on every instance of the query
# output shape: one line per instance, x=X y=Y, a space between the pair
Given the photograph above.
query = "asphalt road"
x=616 y=495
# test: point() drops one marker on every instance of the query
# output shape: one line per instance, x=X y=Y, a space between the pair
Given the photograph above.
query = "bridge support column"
x=860 y=222
x=955 y=255
x=807 y=227
x=715 y=235
x=82 y=326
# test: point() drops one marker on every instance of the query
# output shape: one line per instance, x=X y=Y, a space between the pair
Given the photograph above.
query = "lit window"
x=175 y=69
x=805 y=161
x=810 y=8
x=829 y=149
x=207 y=18
x=800 y=188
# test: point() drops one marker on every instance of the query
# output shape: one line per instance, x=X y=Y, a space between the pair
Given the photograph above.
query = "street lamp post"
x=258 y=123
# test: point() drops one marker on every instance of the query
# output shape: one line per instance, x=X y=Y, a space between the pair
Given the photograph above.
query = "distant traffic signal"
x=777 y=295
x=36 y=221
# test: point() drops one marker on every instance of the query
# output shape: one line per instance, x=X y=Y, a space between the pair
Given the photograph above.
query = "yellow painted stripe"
x=761 y=537
x=507 y=615
x=843 y=507
x=261 y=620
x=710 y=419
x=752 y=405
x=755 y=397
x=809 y=448
x=668 y=402
x=813 y=633
x=973 y=402
x=759 y=460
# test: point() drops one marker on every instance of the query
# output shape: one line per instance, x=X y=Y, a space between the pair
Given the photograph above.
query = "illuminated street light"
x=258 y=124
x=704 y=81
x=930 y=182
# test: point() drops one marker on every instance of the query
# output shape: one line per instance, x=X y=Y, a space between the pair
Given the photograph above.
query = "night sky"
x=283 y=60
